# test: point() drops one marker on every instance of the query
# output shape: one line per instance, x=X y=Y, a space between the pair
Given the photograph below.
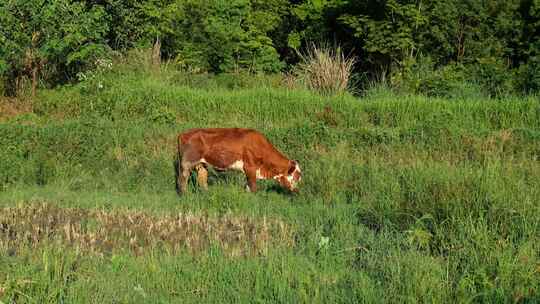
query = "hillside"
x=404 y=198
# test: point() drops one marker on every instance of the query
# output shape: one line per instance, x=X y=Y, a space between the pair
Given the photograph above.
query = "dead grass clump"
x=102 y=232
x=289 y=81
x=325 y=70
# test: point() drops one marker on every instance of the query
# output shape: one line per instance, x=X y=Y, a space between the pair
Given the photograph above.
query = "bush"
x=493 y=75
x=51 y=41
x=528 y=77
x=421 y=76
x=225 y=36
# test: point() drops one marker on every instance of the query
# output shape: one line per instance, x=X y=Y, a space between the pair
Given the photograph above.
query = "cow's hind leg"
x=202 y=176
x=188 y=160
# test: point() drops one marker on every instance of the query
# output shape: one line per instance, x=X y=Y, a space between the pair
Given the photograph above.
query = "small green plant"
x=162 y=115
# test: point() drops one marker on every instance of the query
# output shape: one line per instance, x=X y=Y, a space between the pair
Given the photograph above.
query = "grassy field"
x=404 y=198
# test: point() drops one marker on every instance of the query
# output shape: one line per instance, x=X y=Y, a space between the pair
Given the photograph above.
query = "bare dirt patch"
x=104 y=232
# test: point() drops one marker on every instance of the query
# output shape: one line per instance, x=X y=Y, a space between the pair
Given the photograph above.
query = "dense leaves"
x=49 y=40
x=492 y=44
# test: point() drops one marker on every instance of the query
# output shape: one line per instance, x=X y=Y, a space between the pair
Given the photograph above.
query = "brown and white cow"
x=244 y=150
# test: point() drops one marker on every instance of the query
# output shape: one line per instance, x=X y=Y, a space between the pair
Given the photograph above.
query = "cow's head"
x=292 y=177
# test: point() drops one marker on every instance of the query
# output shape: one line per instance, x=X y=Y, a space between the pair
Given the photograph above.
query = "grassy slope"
x=404 y=199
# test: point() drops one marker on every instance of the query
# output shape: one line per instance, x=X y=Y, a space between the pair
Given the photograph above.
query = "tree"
x=48 y=39
x=221 y=36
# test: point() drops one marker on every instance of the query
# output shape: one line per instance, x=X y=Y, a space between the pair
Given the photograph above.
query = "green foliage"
x=225 y=36
x=214 y=36
x=60 y=39
x=528 y=76
x=311 y=24
x=420 y=76
x=393 y=34
x=494 y=43
x=55 y=39
x=490 y=39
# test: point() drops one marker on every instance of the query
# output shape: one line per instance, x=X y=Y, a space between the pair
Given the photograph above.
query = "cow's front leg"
x=251 y=176
x=202 y=176
x=185 y=172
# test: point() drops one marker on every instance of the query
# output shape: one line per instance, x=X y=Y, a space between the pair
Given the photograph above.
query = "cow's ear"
x=292 y=167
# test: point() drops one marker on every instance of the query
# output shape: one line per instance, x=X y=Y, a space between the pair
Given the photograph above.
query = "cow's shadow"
x=276 y=188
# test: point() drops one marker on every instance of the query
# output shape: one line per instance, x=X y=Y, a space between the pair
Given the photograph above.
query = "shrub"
x=493 y=75
x=528 y=77
x=421 y=76
x=48 y=41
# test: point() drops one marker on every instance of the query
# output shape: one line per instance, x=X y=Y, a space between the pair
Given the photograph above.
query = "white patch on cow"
x=290 y=178
x=258 y=174
x=237 y=165
x=247 y=188
x=299 y=171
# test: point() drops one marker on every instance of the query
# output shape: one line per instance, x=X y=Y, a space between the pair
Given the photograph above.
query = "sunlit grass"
x=404 y=198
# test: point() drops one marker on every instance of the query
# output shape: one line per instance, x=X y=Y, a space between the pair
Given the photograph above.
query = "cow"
x=240 y=149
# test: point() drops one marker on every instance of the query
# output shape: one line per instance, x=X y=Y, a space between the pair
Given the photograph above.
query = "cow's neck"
x=275 y=168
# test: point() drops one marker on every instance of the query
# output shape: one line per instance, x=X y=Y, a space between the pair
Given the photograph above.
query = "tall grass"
x=325 y=69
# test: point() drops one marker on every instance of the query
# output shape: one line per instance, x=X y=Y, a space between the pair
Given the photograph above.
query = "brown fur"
x=222 y=147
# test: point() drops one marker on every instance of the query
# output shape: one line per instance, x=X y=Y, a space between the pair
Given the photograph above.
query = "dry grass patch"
x=11 y=107
x=103 y=232
x=325 y=69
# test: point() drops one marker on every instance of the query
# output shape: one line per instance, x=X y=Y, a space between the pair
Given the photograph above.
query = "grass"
x=404 y=198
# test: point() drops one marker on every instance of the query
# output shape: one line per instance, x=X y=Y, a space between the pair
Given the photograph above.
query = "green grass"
x=404 y=198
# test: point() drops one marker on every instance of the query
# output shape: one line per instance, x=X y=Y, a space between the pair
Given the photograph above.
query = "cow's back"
x=221 y=136
x=223 y=144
